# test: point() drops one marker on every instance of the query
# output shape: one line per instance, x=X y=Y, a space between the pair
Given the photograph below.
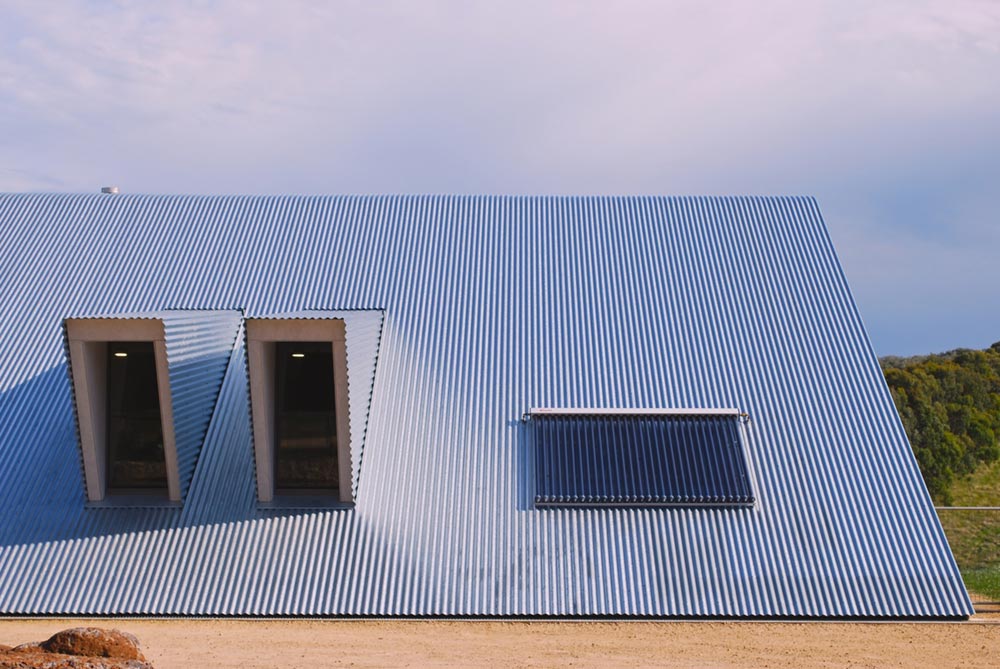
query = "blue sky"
x=889 y=113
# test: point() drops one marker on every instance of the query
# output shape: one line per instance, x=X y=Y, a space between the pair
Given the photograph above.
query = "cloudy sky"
x=889 y=113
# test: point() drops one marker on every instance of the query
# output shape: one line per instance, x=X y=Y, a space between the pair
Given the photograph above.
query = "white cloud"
x=869 y=106
x=571 y=96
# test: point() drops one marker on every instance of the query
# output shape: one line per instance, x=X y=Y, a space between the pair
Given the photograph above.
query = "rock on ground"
x=77 y=648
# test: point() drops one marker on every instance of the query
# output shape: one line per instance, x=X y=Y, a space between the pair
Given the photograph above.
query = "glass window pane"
x=135 y=433
x=306 y=453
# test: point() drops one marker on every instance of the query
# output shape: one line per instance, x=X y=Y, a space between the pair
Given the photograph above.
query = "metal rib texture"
x=634 y=460
x=199 y=343
x=492 y=305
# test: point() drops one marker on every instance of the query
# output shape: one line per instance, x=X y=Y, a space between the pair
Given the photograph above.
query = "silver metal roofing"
x=492 y=305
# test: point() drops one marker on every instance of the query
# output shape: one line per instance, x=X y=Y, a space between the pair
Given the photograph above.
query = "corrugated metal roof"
x=637 y=459
x=492 y=305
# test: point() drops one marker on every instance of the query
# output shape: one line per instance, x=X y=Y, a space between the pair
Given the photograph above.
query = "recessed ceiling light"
x=121 y=354
x=298 y=355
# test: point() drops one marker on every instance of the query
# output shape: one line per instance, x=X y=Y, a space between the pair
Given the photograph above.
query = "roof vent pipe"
x=110 y=190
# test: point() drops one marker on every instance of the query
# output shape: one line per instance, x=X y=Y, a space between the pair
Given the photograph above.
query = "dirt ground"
x=249 y=644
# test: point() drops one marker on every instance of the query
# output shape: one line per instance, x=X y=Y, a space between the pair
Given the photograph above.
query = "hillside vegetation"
x=950 y=407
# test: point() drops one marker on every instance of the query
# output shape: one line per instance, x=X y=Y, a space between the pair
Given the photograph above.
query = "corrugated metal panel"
x=492 y=305
x=199 y=343
x=364 y=334
x=635 y=460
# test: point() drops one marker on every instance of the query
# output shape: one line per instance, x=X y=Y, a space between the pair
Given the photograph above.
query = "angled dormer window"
x=640 y=457
x=301 y=426
x=124 y=408
x=144 y=389
x=311 y=377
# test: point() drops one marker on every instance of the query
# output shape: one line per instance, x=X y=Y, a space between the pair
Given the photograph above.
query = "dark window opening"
x=135 y=433
x=640 y=460
x=305 y=418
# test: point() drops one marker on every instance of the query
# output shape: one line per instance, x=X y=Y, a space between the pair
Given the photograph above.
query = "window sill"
x=304 y=502
x=139 y=501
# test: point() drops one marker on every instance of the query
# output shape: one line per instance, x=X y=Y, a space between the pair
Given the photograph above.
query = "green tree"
x=950 y=407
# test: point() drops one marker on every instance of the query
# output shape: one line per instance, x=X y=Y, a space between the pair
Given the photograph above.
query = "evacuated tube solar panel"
x=683 y=460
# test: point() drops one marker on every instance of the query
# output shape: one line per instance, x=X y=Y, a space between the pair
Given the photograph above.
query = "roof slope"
x=492 y=305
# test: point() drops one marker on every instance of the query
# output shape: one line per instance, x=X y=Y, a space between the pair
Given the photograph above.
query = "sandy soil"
x=220 y=644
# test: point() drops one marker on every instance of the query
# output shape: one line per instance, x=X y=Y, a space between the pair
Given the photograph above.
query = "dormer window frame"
x=88 y=340
x=262 y=336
